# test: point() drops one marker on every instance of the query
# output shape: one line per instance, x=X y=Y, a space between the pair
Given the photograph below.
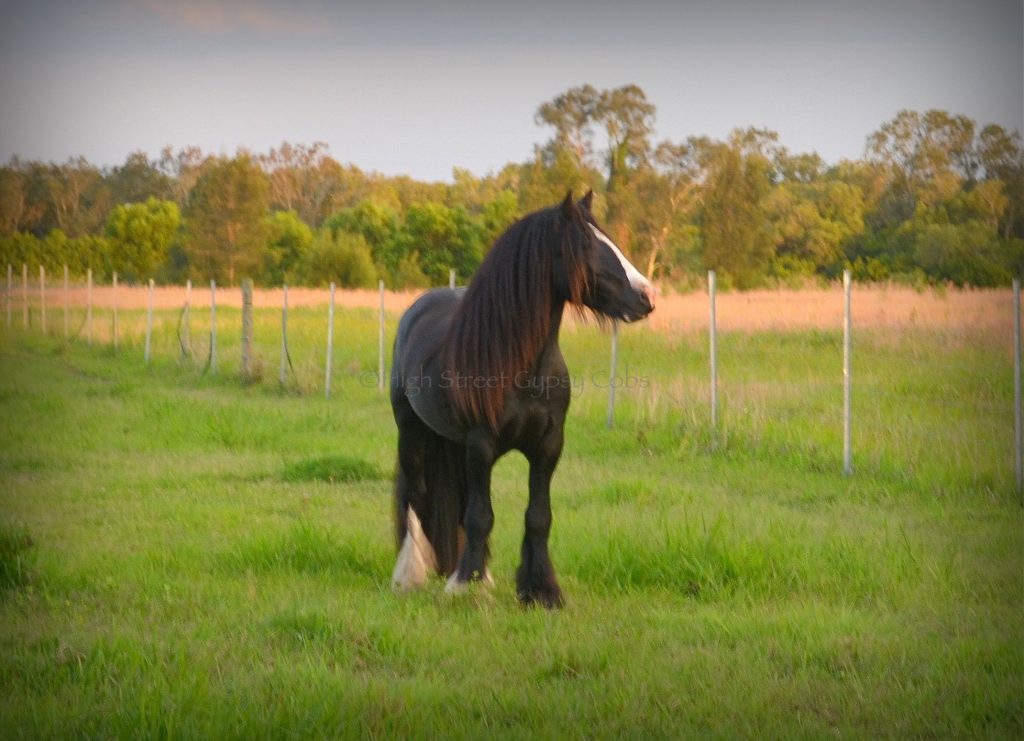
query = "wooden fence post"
x=67 y=331
x=247 y=356
x=713 y=346
x=282 y=374
x=88 y=306
x=213 y=327
x=1018 y=422
x=113 y=300
x=42 y=297
x=24 y=295
x=186 y=323
x=330 y=345
x=149 y=321
x=847 y=377
x=10 y=288
x=612 y=379
x=380 y=340
x=451 y=279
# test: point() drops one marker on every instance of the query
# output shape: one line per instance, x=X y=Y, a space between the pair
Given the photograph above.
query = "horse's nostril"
x=648 y=296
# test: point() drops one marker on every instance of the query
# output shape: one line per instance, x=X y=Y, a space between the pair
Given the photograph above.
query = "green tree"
x=496 y=216
x=288 y=244
x=72 y=197
x=226 y=220
x=55 y=250
x=138 y=180
x=668 y=194
x=21 y=248
x=340 y=257
x=568 y=160
x=572 y=115
x=928 y=156
x=140 y=235
x=90 y=252
x=445 y=239
x=307 y=180
x=963 y=254
x=814 y=218
x=628 y=120
x=931 y=190
x=373 y=221
x=544 y=180
x=409 y=273
x=15 y=208
x=736 y=227
x=1001 y=156
x=182 y=170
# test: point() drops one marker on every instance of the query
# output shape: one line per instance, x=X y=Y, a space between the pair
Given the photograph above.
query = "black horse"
x=478 y=372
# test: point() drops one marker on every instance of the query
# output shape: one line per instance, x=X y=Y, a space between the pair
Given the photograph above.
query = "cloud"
x=220 y=17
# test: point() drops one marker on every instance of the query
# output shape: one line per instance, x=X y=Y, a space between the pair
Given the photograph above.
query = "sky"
x=419 y=88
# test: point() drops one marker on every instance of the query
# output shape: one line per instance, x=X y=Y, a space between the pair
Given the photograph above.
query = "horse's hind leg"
x=535 y=579
x=416 y=558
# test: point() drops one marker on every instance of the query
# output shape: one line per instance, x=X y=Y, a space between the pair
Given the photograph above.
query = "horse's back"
x=417 y=366
x=421 y=331
x=432 y=310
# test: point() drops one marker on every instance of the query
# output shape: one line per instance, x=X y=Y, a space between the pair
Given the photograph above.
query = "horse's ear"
x=587 y=200
x=568 y=206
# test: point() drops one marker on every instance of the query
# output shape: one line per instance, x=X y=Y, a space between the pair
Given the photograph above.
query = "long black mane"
x=506 y=316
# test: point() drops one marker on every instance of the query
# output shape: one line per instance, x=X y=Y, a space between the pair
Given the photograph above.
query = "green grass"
x=183 y=556
x=15 y=556
x=331 y=468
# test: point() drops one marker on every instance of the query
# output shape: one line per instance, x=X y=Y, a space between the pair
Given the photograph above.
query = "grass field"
x=184 y=556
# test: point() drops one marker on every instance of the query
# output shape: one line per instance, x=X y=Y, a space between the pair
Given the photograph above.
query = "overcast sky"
x=418 y=88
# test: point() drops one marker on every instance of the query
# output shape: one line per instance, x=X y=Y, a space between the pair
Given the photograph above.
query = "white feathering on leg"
x=454 y=586
x=416 y=559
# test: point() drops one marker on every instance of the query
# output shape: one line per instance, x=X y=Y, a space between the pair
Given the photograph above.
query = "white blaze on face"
x=635 y=277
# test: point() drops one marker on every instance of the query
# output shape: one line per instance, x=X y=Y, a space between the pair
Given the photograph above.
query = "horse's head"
x=611 y=286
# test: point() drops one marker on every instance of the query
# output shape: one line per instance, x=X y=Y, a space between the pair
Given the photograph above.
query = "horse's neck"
x=551 y=349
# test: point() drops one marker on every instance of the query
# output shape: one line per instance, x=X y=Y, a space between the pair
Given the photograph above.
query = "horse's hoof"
x=456 y=586
x=547 y=597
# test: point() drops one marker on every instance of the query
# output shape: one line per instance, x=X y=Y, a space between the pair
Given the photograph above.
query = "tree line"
x=934 y=199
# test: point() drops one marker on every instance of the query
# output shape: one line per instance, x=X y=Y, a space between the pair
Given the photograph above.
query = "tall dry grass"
x=811 y=308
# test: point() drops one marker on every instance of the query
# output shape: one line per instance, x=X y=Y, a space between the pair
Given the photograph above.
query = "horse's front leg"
x=478 y=518
x=535 y=579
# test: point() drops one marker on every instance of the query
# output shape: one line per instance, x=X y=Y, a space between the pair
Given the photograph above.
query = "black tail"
x=441 y=506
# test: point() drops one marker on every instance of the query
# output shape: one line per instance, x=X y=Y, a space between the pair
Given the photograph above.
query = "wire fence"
x=36 y=301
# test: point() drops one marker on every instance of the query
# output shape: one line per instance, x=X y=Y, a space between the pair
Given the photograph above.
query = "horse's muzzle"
x=641 y=305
